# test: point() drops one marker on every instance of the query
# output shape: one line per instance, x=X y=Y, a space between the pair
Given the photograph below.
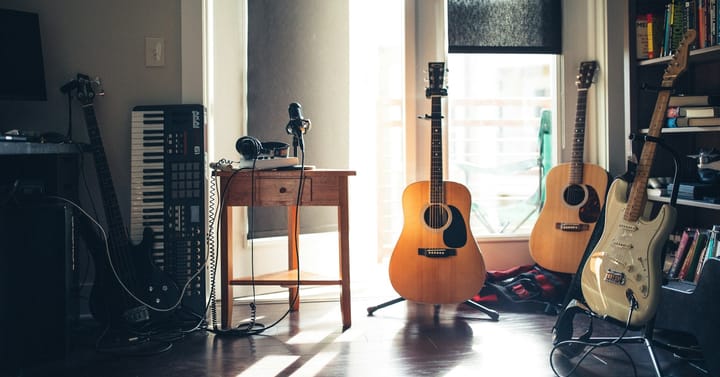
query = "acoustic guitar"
x=622 y=275
x=436 y=259
x=126 y=281
x=575 y=194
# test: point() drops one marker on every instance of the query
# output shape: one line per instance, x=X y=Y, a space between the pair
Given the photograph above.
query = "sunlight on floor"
x=269 y=366
x=315 y=365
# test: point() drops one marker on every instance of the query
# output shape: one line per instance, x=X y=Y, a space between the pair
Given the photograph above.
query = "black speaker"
x=36 y=252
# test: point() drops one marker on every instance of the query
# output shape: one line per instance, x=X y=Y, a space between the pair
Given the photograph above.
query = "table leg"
x=226 y=268
x=344 y=246
x=293 y=236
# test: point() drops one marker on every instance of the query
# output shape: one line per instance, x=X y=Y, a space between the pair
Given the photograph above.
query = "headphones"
x=251 y=148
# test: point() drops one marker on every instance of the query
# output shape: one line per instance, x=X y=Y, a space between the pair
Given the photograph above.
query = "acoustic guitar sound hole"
x=574 y=195
x=436 y=216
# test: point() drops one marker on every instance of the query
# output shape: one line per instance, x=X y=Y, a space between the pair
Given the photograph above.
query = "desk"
x=280 y=188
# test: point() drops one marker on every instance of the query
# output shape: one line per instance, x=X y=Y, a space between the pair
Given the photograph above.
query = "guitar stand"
x=563 y=330
x=490 y=313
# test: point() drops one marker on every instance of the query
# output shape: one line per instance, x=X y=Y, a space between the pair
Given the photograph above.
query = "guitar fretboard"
x=117 y=237
x=578 y=147
x=638 y=192
x=437 y=195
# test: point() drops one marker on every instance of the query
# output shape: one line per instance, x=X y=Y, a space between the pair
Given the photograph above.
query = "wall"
x=298 y=52
x=104 y=39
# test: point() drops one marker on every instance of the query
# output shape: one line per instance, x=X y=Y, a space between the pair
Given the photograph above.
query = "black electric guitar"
x=622 y=276
x=126 y=280
x=436 y=259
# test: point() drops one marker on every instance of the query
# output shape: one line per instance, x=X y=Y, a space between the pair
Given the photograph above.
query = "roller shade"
x=505 y=26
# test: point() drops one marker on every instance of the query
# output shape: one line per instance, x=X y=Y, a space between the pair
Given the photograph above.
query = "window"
x=377 y=121
x=495 y=104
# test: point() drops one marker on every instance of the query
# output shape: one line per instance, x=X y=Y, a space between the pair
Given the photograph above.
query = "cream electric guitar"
x=621 y=277
x=575 y=196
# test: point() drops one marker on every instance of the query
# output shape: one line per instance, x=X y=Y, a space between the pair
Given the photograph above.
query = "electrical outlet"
x=154 y=52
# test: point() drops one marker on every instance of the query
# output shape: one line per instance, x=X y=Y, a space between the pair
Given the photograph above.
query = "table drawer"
x=281 y=191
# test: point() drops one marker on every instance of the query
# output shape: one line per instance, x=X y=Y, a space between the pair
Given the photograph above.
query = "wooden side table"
x=321 y=187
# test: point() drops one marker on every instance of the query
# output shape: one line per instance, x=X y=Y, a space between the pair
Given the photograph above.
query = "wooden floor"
x=404 y=339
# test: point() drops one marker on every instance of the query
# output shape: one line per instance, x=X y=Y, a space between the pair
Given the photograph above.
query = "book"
x=695 y=122
x=685 y=240
x=700 y=260
x=669 y=251
x=652 y=191
x=695 y=190
x=698 y=111
x=652 y=51
x=641 y=37
x=687 y=271
x=667 y=30
x=677 y=25
x=708 y=251
x=713 y=242
x=694 y=100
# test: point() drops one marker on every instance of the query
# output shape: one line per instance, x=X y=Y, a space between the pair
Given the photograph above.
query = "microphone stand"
x=296 y=142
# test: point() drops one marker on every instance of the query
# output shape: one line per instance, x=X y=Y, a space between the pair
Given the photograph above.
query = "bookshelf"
x=700 y=78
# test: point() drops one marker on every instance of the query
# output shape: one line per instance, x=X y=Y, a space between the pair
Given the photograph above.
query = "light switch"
x=154 y=52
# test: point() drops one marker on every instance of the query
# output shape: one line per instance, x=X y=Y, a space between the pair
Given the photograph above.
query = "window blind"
x=505 y=26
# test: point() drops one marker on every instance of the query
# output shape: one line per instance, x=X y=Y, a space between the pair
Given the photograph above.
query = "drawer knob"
x=283 y=190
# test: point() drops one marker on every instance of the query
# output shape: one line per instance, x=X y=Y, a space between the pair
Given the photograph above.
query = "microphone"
x=297 y=125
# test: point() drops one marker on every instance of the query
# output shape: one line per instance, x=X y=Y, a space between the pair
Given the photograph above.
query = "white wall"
x=104 y=39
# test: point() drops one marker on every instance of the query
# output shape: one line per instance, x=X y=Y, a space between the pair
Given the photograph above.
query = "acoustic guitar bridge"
x=569 y=227
x=436 y=252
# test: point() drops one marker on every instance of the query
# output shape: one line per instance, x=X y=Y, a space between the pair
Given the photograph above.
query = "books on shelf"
x=648 y=33
x=694 y=100
x=692 y=116
x=686 y=239
x=694 y=248
x=687 y=270
x=699 y=111
x=660 y=27
x=696 y=122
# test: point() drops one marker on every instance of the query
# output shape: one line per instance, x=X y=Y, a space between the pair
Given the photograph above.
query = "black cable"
x=252 y=327
x=245 y=329
x=593 y=346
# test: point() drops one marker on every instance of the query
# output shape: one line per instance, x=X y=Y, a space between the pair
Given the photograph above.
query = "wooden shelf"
x=699 y=55
x=685 y=202
x=683 y=130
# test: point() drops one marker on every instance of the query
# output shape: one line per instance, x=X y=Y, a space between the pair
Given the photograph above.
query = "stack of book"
x=693 y=249
x=693 y=111
x=660 y=26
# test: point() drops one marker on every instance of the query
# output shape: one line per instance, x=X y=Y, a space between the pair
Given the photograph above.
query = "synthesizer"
x=168 y=193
